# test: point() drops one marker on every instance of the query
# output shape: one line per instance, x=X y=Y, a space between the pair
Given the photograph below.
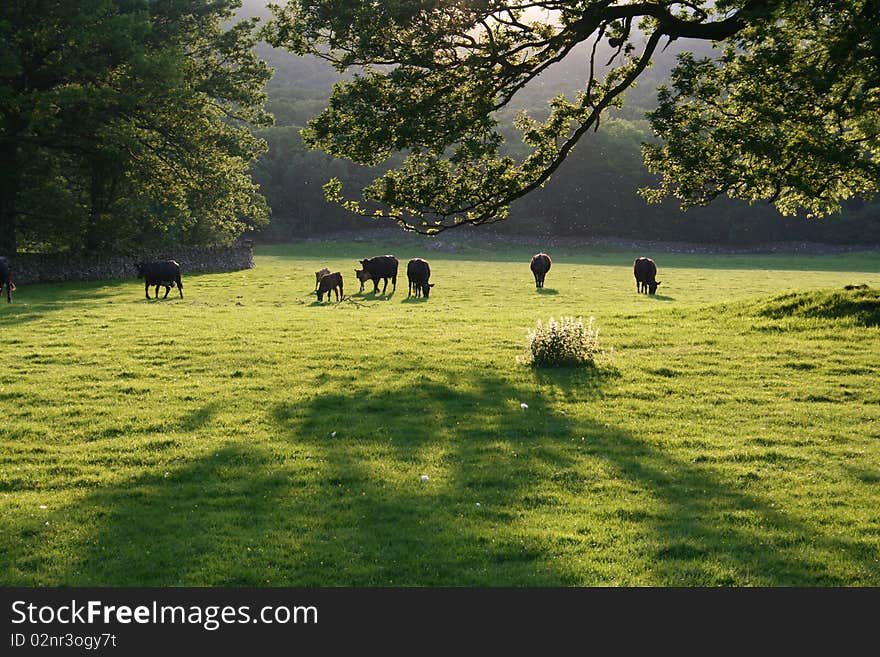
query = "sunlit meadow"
x=248 y=435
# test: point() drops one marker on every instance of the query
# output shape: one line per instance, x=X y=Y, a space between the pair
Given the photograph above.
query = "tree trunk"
x=93 y=238
x=102 y=193
x=9 y=183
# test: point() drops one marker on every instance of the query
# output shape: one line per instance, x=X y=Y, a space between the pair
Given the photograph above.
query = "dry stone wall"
x=60 y=267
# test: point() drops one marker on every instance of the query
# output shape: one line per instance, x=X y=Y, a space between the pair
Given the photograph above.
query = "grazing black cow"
x=6 y=279
x=383 y=267
x=318 y=274
x=163 y=272
x=418 y=272
x=645 y=271
x=328 y=283
x=363 y=277
x=540 y=265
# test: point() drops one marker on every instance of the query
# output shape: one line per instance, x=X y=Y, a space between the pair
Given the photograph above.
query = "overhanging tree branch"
x=454 y=64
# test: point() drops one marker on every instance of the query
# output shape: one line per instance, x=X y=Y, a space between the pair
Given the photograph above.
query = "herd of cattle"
x=418 y=271
x=166 y=273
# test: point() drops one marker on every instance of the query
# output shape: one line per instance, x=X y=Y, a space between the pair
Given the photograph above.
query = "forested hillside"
x=593 y=194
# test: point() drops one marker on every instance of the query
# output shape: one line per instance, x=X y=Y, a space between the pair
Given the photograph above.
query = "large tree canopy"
x=126 y=122
x=788 y=113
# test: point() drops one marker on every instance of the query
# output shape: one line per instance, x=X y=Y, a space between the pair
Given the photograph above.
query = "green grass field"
x=247 y=435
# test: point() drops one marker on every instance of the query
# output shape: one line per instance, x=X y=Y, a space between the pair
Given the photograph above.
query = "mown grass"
x=247 y=435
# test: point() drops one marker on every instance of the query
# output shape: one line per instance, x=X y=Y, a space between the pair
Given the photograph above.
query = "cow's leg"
x=385 y=286
x=147 y=289
x=394 y=283
x=179 y=287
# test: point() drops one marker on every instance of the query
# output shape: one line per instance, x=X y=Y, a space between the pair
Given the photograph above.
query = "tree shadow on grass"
x=711 y=531
x=30 y=303
x=200 y=522
x=574 y=383
x=514 y=497
x=199 y=418
x=491 y=465
x=385 y=526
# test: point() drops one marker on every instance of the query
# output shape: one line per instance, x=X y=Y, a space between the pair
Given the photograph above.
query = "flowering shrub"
x=565 y=342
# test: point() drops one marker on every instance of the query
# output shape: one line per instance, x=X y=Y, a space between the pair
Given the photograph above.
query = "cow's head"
x=652 y=287
x=363 y=276
x=426 y=289
x=141 y=268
